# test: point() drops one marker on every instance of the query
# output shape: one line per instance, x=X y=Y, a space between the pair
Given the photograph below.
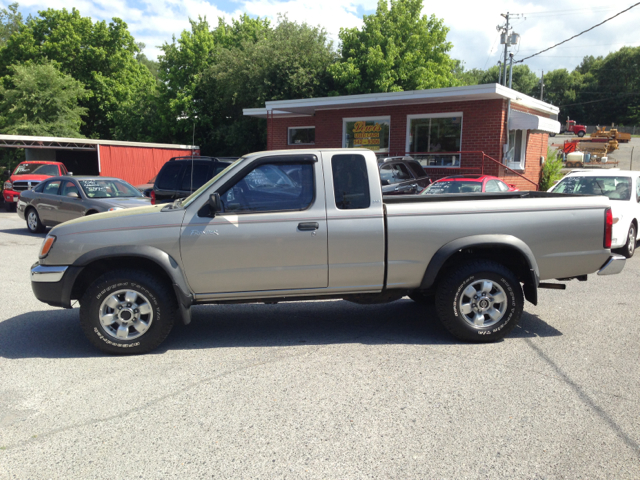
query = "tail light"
x=153 y=197
x=608 y=227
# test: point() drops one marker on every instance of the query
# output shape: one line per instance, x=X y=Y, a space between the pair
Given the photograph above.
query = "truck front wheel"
x=480 y=301
x=581 y=133
x=127 y=312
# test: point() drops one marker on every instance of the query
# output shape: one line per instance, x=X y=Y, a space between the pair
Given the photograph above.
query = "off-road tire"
x=630 y=247
x=422 y=298
x=160 y=297
x=36 y=226
x=452 y=288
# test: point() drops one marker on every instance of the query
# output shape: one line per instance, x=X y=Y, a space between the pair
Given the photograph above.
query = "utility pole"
x=499 y=72
x=510 y=69
x=541 y=84
x=507 y=39
x=506 y=44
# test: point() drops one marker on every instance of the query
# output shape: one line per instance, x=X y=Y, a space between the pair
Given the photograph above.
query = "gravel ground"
x=322 y=390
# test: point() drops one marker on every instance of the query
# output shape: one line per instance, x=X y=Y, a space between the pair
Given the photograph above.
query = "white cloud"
x=472 y=23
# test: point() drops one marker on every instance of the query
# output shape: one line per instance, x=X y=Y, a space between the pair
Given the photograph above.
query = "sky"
x=472 y=24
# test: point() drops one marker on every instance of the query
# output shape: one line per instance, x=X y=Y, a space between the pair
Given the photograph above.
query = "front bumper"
x=10 y=196
x=53 y=284
x=614 y=265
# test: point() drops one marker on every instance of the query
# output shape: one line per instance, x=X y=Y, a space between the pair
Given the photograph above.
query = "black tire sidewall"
x=451 y=290
x=156 y=293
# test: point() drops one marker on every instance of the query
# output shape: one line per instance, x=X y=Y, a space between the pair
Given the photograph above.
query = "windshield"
x=187 y=201
x=453 y=186
x=108 y=188
x=36 y=169
x=616 y=188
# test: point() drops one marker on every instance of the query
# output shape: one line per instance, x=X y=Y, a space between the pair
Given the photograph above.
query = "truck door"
x=270 y=235
x=355 y=220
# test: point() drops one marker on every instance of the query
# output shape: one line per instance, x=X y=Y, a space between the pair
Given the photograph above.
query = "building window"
x=517 y=153
x=302 y=135
x=435 y=139
x=370 y=132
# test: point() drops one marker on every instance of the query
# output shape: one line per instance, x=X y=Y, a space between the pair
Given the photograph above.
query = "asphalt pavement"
x=322 y=390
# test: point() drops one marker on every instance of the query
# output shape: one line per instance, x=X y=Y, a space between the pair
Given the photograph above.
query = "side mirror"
x=73 y=195
x=69 y=173
x=214 y=204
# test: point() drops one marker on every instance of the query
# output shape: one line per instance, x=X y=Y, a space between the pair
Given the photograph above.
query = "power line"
x=581 y=33
x=601 y=99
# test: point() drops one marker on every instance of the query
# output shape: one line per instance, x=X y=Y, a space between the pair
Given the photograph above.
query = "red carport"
x=134 y=162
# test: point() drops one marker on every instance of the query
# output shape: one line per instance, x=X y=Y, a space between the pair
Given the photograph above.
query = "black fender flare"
x=495 y=240
x=159 y=257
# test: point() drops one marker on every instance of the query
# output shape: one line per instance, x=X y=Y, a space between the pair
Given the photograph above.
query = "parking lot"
x=323 y=389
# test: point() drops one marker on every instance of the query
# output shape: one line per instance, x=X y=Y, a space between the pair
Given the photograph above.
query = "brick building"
x=487 y=129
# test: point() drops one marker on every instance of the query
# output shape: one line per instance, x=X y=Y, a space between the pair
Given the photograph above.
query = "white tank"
x=575 y=157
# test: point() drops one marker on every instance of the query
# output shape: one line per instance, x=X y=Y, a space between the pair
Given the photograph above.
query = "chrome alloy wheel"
x=126 y=314
x=631 y=240
x=483 y=303
x=32 y=220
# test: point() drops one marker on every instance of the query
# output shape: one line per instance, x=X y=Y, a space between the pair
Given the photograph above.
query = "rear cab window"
x=350 y=182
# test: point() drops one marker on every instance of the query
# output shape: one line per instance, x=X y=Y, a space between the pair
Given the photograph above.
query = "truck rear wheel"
x=480 y=301
x=127 y=312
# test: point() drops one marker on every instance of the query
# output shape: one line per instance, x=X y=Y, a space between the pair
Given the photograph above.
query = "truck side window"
x=350 y=182
x=271 y=187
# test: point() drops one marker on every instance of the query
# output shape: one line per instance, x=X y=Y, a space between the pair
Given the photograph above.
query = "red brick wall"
x=483 y=129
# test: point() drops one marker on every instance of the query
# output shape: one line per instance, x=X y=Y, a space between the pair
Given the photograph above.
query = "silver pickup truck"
x=313 y=224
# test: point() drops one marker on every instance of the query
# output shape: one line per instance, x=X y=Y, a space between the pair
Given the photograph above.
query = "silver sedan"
x=60 y=199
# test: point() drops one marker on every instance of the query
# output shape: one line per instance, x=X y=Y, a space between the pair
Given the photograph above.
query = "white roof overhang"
x=526 y=121
x=309 y=106
x=59 y=143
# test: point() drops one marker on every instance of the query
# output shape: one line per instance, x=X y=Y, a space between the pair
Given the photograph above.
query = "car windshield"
x=616 y=188
x=453 y=186
x=108 y=188
x=187 y=201
x=36 y=169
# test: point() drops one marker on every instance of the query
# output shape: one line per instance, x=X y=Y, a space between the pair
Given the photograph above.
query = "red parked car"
x=26 y=176
x=468 y=184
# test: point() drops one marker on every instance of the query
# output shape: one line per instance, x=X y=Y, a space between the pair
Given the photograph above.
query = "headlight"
x=113 y=209
x=46 y=245
x=8 y=185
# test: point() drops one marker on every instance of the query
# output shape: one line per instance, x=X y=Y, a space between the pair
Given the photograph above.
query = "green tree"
x=185 y=59
x=466 y=77
x=10 y=22
x=397 y=49
x=524 y=80
x=40 y=100
x=289 y=61
x=101 y=56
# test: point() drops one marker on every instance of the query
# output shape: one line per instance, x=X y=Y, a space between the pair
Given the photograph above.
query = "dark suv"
x=175 y=180
x=402 y=175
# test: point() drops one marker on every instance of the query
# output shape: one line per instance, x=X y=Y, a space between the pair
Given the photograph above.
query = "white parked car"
x=623 y=188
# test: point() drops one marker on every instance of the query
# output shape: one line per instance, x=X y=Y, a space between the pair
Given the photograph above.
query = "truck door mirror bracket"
x=214 y=204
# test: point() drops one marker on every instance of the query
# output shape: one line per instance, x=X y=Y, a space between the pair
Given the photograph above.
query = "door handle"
x=308 y=226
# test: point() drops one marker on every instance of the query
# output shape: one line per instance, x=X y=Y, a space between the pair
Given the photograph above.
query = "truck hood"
x=131 y=202
x=27 y=177
x=130 y=216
